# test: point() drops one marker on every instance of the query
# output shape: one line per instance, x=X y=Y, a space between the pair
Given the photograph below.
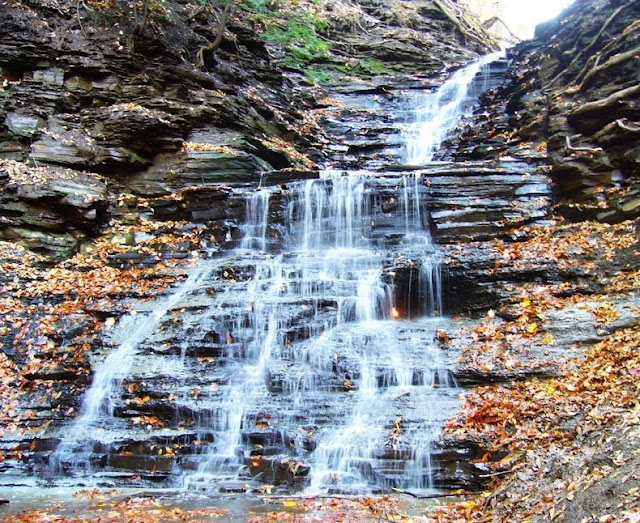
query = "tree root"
x=623 y=124
x=595 y=40
x=592 y=150
x=218 y=40
x=590 y=64
x=605 y=103
x=614 y=60
x=473 y=31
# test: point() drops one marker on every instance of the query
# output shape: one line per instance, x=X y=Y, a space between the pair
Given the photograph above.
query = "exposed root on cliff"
x=200 y=61
x=607 y=102
x=578 y=54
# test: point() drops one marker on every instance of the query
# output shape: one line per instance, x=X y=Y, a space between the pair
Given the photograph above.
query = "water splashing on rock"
x=436 y=115
x=305 y=356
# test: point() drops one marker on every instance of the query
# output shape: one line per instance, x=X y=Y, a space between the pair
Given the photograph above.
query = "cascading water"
x=99 y=400
x=322 y=352
x=436 y=115
x=255 y=228
x=301 y=356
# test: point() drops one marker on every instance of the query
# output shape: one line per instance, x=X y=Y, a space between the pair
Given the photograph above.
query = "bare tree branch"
x=487 y=24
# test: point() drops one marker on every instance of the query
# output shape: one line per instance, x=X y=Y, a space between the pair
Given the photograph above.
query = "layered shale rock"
x=51 y=209
x=573 y=96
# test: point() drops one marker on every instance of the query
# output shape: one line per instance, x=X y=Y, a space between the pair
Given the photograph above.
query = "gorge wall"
x=127 y=147
x=101 y=90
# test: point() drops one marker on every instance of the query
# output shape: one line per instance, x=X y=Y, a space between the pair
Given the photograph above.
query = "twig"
x=502 y=473
x=622 y=123
x=431 y=496
x=78 y=16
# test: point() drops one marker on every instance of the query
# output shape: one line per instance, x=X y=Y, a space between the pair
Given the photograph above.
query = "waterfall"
x=99 y=399
x=436 y=115
x=256 y=222
x=318 y=347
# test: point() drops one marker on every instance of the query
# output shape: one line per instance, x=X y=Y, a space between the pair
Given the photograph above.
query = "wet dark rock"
x=478 y=202
x=234 y=488
x=452 y=462
x=470 y=377
x=134 y=259
x=278 y=469
x=194 y=168
x=155 y=464
x=53 y=374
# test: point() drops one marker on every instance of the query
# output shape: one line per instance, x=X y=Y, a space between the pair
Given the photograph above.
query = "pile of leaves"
x=559 y=434
x=568 y=435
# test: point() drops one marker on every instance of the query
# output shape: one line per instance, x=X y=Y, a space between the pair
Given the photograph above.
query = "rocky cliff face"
x=569 y=106
x=123 y=151
x=574 y=94
x=90 y=89
x=101 y=88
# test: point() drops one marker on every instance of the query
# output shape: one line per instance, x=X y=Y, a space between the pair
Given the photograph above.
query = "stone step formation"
x=305 y=354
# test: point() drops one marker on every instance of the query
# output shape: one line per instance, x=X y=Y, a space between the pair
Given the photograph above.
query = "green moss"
x=299 y=34
x=374 y=67
x=295 y=31
x=319 y=76
x=137 y=159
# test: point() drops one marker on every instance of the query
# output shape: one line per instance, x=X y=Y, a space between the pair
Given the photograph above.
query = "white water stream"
x=436 y=115
x=319 y=357
x=98 y=401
